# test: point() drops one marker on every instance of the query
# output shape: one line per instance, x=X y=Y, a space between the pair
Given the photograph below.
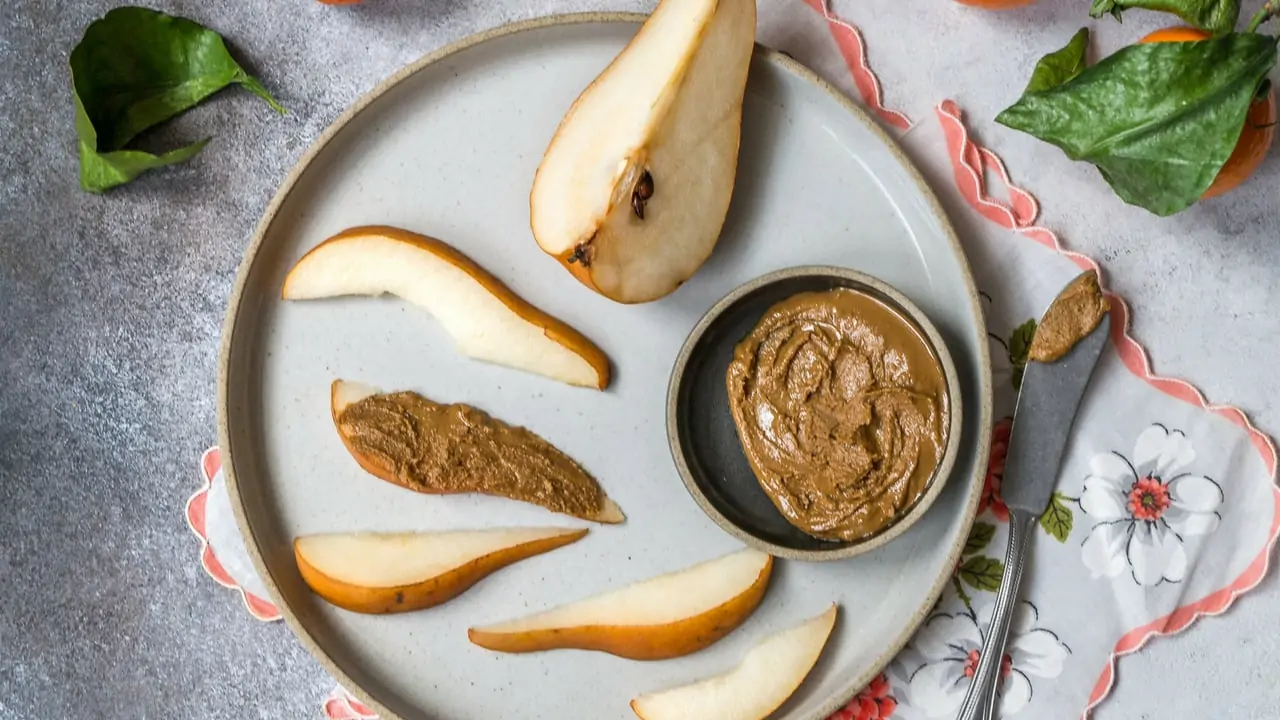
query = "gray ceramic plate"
x=448 y=147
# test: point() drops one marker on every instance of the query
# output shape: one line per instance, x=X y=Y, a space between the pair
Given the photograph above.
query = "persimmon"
x=1259 y=125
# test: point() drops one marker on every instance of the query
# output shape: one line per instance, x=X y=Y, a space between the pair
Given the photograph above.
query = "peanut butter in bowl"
x=841 y=405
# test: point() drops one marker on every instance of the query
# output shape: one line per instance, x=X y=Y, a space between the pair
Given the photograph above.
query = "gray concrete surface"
x=110 y=310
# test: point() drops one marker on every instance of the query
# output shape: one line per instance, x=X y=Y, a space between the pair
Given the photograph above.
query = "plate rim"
x=985 y=402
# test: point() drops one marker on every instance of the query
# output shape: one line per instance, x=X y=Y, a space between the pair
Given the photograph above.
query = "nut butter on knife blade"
x=1066 y=347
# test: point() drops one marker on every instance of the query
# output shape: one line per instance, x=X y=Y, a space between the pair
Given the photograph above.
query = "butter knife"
x=1047 y=404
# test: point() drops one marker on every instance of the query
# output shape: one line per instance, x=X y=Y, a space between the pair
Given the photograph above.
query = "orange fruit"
x=996 y=4
x=1176 y=34
x=1259 y=126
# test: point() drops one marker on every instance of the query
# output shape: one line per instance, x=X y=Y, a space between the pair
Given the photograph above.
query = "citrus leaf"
x=1058 y=519
x=1061 y=66
x=1158 y=120
x=136 y=68
x=1216 y=16
x=982 y=573
x=979 y=538
x=103 y=171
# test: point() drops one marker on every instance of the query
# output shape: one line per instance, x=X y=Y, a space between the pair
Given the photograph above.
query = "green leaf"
x=1216 y=16
x=1020 y=350
x=1102 y=7
x=982 y=573
x=1062 y=66
x=960 y=593
x=1158 y=120
x=136 y=68
x=979 y=538
x=103 y=171
x=1058 y=519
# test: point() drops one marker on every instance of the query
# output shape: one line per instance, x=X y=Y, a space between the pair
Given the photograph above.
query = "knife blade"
x=1042 y=421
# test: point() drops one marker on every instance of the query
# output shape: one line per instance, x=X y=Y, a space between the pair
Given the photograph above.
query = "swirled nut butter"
x=841 y=407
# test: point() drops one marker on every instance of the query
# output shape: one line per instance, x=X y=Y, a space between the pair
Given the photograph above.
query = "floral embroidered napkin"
x=1166 y=506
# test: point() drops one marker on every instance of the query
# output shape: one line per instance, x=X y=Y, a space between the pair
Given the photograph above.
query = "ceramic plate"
x=448 y=147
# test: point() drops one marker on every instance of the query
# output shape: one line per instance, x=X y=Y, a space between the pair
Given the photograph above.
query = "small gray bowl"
x=704 y=440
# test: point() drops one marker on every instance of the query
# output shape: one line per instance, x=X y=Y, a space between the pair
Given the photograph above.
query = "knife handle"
x=982 y=695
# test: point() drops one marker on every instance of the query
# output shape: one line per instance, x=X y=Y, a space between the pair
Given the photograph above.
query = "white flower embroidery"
x=1145 y=508
x=950 y=646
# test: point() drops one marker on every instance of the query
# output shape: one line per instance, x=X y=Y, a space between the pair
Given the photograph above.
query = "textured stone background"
x=110 y=310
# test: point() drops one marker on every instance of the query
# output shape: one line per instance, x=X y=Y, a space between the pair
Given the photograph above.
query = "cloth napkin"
x=1166 y=507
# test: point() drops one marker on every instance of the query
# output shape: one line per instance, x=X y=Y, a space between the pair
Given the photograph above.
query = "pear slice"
x=397 y=572
x=634 y=186
x=486 y=319
x=663 y=617
x=768 y=675
x=398 y=449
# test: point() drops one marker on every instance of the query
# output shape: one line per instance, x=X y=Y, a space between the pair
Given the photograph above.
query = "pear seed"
x=641 y=194
x=581 y=254
x=644 y=188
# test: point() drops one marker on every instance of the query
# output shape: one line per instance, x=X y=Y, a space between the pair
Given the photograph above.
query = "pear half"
x=634 y=187
x=769 y=673
x=485 y=318
x=398 y=572
x=663 y=617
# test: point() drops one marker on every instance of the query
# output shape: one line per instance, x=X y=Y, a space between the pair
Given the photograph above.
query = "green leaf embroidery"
x=979 y=538
x=1158 y=120
x=1216 y=16
x=1020 y=350
x=1058 y=519
x=982 y=573
x=136 y=68
x=1062 y=66
x=960 y=593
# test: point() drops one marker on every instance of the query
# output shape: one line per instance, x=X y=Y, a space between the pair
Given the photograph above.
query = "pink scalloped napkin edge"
x=1133 y=482
x=229 y=565
x=237 y=572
